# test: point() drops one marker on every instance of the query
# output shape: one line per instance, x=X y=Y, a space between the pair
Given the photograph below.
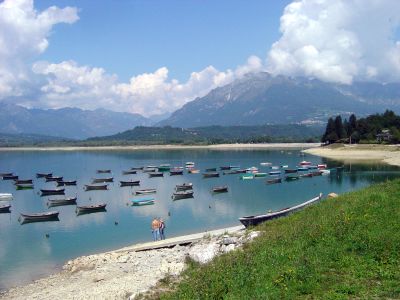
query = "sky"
x=152 y=57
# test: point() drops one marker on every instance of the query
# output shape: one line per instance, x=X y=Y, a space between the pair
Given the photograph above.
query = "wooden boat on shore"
x=61 y=202
x=156 y=174
x=274 y=180
x=220 y=189
x=6 y=196
x=23 y=181
x=129 y=183
x=129 y=172
x=145 y=191
x=175 y=172
x=10 y=177
x=182 y=195
x=52 y=192
x=91 y=187
x=184 y=186
x=102 y=180
x=43 y=175
x=39 y=217
x=24 y=186
x=103 y=171
x=255 y=220
x=87 y=209
x=142 y=201
x=210 y=175
x=4 y=209
x=66 y=183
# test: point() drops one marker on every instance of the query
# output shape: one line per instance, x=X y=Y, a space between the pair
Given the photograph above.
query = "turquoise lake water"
x=26 y=253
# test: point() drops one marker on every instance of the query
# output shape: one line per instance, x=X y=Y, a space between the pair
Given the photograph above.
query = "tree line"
x=365 y=129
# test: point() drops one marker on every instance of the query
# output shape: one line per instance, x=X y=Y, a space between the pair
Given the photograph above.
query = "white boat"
x=265 y=164
x=6 y=196
x=325 y=172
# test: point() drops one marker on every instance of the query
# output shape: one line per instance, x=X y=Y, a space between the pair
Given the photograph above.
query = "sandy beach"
x=171 y=147
x=389 y=154
x=127 y=272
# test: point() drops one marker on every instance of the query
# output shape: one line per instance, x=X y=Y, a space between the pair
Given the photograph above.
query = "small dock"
x=183 y=240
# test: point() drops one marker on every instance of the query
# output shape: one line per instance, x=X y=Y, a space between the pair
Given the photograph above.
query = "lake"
x=33 y=250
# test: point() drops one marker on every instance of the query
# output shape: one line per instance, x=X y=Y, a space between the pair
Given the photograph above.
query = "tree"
x=339 y=129
x=330 y=135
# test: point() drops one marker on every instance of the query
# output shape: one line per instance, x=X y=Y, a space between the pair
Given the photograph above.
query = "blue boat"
x=143 y=201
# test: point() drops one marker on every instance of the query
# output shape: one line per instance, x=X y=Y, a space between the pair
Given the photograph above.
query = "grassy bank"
x=340 y=248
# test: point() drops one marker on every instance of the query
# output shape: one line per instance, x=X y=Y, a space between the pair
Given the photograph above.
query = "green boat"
x=247 y=176
x=258 y=175
x=164 y=168
x=24 y=186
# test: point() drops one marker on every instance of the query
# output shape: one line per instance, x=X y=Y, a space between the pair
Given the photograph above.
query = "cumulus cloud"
x=68 y=84
x=338 y=41
x=24 y=34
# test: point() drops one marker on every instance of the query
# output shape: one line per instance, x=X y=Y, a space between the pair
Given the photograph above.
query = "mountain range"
x=260 y=98
x=254 y=99
x=73 y=123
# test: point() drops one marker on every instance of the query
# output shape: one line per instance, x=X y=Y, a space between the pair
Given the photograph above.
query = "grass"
x=345 y=247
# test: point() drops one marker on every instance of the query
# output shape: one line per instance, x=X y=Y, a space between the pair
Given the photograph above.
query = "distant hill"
x=71 y=123
x=213 y=134
x=17 y=140
x=261 y=98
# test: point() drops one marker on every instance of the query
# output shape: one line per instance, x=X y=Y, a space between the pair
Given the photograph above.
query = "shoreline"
x=169 y=147
x=131 y=270
x=389 y=154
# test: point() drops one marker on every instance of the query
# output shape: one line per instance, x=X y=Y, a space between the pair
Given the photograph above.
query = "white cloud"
x=24 y=35
x=68 y=84
x=338 y=40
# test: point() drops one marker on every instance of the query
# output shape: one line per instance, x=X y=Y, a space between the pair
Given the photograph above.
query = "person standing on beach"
x=162 y=227
x=155 y=229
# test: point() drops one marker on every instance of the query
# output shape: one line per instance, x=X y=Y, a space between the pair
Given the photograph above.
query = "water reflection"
x=80 y=235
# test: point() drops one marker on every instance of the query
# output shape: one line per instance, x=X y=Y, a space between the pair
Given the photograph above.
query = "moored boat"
x=53 y=178
x=156 y=174
x=5 y=208
x=247 y=177
x=61 y=202
x=103 y=171
x=23 y=181
x=306 y=175
x=52 y=192
x=265 y=164
x=6 y=196
x=210 y=174
x=39 y=217
x=220 y=189
x=43 y=175
x=211 y=170
x=145 y=191
x=175 y=172
x=325 y=172
x=292 y=177
x=6 y=174
x=302 y=169
x=66 y=183
x=274 y=173
x=137 y=168
x=224 y=168
x=305 y=163
x=164 y=168
x=274 y=180
x=129 y=172
x=10 y=177
x=275 y=168
x=284 y=166
x=288 y=171
x=87 y=209
x=129 y=183
x=149 y=170
x=101 y=180
x=259 y=175
x=322 y=166
x=24 y=186
x=91 y=187
x=257 y=219
x=182 y=195
x=252 y=170
x=193 y=171
x=184 y=186
x=143 y=201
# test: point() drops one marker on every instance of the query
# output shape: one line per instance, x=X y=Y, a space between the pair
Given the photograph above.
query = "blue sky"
x=152 y=57
x=134 y=37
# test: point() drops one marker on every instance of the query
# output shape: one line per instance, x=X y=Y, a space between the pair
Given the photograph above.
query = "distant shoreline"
x=389 y=154
x=170 y=147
